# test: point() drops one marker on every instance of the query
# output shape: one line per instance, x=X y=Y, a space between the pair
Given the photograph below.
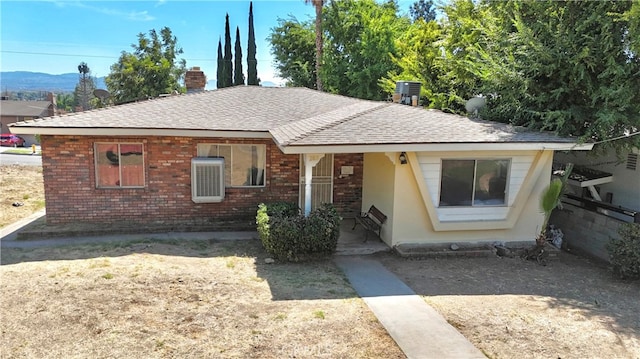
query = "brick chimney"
x=195 y=80
x=53 y=107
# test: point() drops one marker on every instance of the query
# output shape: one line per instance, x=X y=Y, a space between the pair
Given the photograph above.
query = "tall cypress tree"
x=238 y=76
x=220 y=74
x=228 y=64
x=252 y=63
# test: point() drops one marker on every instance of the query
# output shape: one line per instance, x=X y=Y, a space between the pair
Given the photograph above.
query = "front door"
x=321 y=182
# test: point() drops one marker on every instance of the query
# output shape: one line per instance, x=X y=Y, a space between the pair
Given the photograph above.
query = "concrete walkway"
x=419 y=330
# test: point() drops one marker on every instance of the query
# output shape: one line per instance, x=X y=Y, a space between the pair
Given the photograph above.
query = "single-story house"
x=211 y=157
x=12 y=111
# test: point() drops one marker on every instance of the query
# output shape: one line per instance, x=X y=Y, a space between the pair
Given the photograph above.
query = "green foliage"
x=238 y=76
x=359 y=46
x=252 y=63
x=289 y=236
x=550 y=197
x=65 y=101
x=293 y=48
x=84 y=92
x=220 y=68
x=625 y=251
x=150 y=70
x=574 y=62
x=418 y=54
x=550 y=200
x=228 y=61
x=571 y=67
x=422 y=10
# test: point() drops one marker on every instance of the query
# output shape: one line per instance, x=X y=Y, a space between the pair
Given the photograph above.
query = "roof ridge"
x=298 y=128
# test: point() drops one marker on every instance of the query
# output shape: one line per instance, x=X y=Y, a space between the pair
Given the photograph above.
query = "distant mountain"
x=269 y=84
x=38 y=81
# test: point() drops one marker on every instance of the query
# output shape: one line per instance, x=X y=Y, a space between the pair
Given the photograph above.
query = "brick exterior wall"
x=71 y=194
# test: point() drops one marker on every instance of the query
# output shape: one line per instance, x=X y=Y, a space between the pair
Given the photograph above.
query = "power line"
x=53 y=54
x=94 y=56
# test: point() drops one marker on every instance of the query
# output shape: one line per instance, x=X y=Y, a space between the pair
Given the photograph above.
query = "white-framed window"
x=244 y=164
x=207 y=180
x=119 y=165
x=471 y=182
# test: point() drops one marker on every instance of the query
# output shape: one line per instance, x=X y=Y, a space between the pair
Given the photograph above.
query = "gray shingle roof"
x=297 y=117
x=24 y=108
x=395 y=123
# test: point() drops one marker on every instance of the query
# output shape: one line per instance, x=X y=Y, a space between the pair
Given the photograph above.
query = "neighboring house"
x=604 y=194
x=621 y=187
x=17 y=111
x=210 y=158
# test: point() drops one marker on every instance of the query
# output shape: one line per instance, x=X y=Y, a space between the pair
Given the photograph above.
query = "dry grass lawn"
x=509 y=308
x=180 y=300
x=220 y=300
x=20 y=184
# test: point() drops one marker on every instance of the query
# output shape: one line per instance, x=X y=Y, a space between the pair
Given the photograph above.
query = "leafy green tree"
x=569 y=67
x=65 y=101
x=228 y=61
x=422 y=9
x=83 y=93
x=238 y=76
x=418 y=55
x=252 y=63
x=220 y=67
x=572 y=69
x=633 y=17
x=150 y=70
x=359 y=46
x=318 y=4
x=293 y=48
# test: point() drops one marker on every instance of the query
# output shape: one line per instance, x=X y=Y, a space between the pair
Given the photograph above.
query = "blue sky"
x=55 y=36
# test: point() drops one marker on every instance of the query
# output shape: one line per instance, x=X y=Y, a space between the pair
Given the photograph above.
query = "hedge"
x=288 y=235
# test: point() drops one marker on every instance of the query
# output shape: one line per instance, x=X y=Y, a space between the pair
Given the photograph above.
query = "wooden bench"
x=371 y=220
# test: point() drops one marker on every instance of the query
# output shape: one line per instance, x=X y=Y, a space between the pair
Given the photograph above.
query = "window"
x=243 y=164
x=119 y=165
x=473 y=182
x=207 y=180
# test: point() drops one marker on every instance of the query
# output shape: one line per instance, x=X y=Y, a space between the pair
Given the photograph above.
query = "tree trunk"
x=318 y=5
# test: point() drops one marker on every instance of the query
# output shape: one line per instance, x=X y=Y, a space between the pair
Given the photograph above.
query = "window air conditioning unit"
x=207 y=180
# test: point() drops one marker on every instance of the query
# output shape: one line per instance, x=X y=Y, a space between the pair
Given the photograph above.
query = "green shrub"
x=289 y=236
x=625 y=251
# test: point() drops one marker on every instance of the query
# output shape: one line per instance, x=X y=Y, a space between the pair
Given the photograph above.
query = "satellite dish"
x=101 y=94
x=474 y=104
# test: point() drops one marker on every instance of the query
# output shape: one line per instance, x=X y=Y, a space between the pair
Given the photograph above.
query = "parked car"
x=11 y=140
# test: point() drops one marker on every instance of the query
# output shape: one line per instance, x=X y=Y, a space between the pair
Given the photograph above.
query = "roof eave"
x=101 y=131
x=429 y=147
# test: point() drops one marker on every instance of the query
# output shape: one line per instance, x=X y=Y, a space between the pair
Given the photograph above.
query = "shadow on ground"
x=567 y=283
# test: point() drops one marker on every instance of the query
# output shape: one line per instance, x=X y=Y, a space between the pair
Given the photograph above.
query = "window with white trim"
x=465 y=183
x=244 y=164
x=119 y=165
x=207 y=180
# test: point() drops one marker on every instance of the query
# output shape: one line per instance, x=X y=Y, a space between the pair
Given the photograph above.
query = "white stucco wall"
x=378 y=189
x=409 y=220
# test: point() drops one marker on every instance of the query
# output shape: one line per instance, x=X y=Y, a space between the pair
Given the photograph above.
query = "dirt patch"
x=189 y=299
x=509 y=308
x=21 y=185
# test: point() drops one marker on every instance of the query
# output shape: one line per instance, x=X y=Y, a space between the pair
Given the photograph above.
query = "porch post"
x=310 y=160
